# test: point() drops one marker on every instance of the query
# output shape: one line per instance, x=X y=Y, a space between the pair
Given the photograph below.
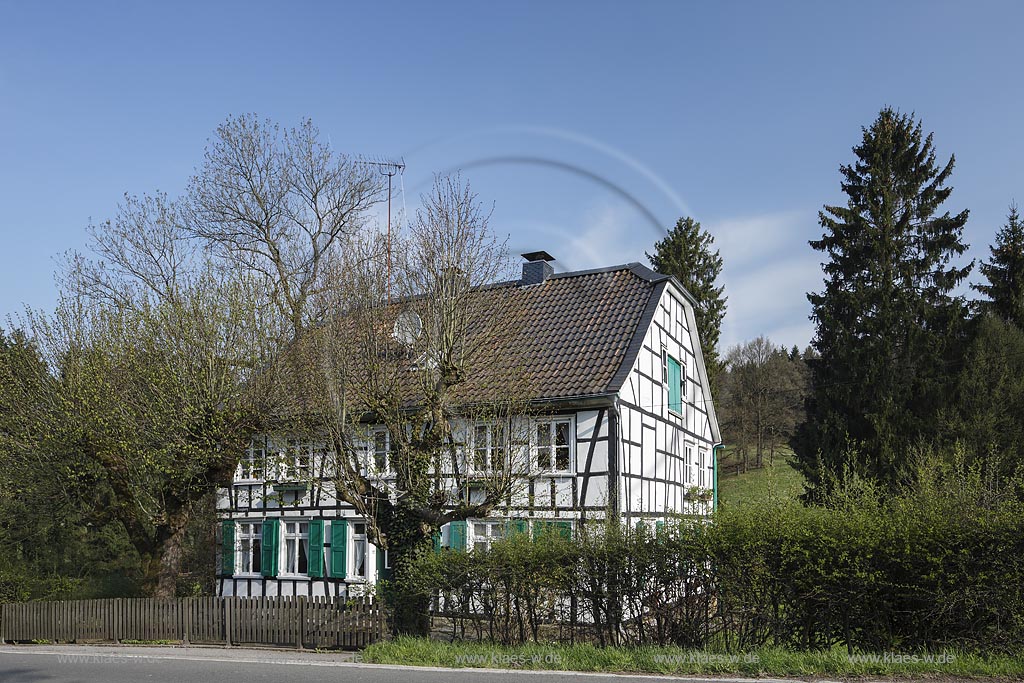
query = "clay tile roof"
x=572 y=334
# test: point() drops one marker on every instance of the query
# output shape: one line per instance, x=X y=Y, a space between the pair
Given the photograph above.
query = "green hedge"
x=940 y=568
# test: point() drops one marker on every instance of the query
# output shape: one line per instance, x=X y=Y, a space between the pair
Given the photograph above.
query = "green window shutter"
x=227 y=547
x=383 y=573
x=542 y=527
x=659 y=525
x=437 y=540
x=339 y=546
x=675 y=399
x=457 y=535
x=514 y=527
x=316 y=547
x=271 y=528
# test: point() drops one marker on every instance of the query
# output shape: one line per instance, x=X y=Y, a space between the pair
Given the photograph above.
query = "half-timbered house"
x=627 y=428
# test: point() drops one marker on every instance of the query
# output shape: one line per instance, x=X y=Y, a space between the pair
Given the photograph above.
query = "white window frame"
x=552 y=446
x=252 y=466
x=248 y=532
x=298 y=460
x=484 y=532
x=374 y=452
x=355 y=540
x=690 y=465
x=294 y=535
x=489 y=448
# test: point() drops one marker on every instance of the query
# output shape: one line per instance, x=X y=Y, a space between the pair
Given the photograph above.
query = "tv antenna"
x=390 y=168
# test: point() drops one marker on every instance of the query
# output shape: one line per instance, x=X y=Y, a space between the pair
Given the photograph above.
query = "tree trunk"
x=172 y=552
x=407 y=599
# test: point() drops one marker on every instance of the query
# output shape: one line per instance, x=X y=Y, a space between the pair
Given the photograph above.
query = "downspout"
x=714 y=479
x=613 y=459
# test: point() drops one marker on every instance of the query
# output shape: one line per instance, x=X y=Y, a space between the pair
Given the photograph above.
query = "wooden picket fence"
x=281 y=621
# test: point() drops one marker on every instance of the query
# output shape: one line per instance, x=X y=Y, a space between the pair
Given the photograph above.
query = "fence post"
x=227 y=620
x=301 y=626
x=118 y=621
x=4 y=616
x=185 y=615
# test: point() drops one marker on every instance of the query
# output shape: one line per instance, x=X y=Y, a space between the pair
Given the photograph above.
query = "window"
x=298 y=460
x=359 y=548
x=489 y=451
x=551 y=447
x=296 y=548
x=248 y=548
x=675 y=385
x=691 y=465
x=253 y=462
x=381 y=450
x=485 y=533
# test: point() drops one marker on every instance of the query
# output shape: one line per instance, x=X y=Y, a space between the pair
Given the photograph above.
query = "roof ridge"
x=638 y=269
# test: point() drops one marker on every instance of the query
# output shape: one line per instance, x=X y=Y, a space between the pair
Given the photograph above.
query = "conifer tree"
x=688 y=253
x=888 y=326
x=1005 y=272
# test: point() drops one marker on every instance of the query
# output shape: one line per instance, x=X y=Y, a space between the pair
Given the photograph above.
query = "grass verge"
x=671 y=660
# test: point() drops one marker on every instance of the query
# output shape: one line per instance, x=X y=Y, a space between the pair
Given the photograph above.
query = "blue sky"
x=591 y=126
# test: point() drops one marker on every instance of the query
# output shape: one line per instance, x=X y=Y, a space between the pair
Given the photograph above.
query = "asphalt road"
x=88 y=664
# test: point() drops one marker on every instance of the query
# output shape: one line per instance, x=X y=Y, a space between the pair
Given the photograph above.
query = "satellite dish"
x=408 y=327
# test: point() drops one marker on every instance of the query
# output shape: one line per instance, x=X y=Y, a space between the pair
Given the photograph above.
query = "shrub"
x=937 y=565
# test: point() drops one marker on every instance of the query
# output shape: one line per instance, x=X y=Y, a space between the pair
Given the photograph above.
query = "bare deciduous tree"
x=762 y=394
x=280 y=204
x=419 y=364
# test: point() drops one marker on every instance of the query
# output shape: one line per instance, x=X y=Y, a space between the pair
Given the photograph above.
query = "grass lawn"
x=671 y=660
x=771 y=481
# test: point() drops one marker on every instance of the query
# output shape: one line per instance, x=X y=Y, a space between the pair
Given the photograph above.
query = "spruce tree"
x=687 y=253
x=888 y=327
x=1005 y=272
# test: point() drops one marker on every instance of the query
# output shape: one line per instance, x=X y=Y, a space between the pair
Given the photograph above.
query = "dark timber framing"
x=631 y=455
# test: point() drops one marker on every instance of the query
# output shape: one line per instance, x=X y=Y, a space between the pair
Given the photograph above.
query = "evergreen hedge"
x=936 y=568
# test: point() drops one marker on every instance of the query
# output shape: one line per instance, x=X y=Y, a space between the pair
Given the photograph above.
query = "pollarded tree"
x=688 y=254
x=1005 y=272
x=161 y=360
x=421 y=365
x=888 y=325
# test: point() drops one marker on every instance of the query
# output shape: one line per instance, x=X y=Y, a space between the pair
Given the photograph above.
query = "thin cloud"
x=768 y=270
